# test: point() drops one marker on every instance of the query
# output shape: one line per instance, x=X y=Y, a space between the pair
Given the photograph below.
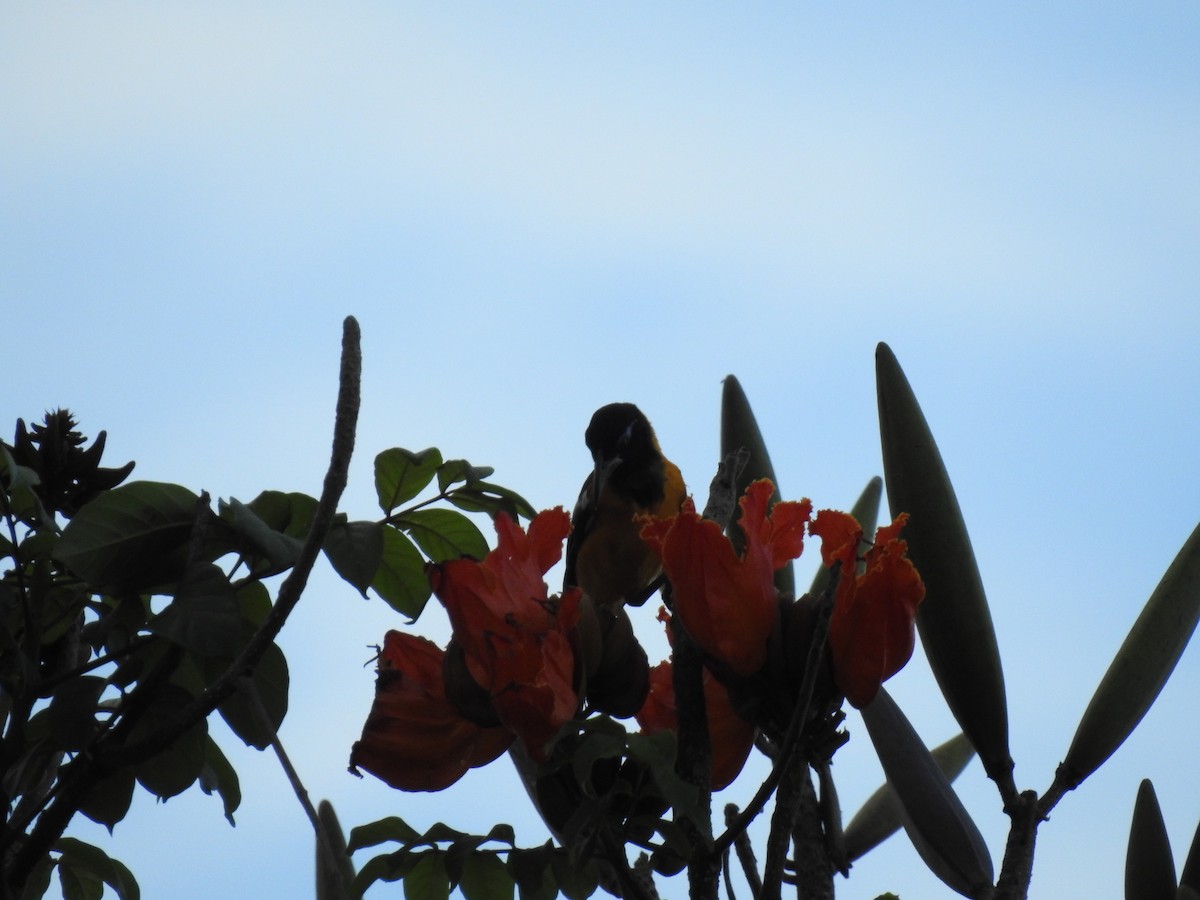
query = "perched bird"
x=631 y=477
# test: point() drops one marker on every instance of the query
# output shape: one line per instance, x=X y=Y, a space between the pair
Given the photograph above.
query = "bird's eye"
x=626 y=436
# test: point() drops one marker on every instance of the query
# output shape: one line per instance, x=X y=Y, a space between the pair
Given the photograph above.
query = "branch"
x=293 y=586
x=1017 y=869
x=744 y=850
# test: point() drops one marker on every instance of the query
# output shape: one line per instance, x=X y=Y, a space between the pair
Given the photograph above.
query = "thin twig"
x=812 y=869
x=247 y=687
x=745 y=852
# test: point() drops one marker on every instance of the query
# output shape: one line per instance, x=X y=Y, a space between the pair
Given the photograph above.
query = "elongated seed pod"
x=954 y=620
x=1140 y=669
x=936 y=821
x=1149 y=865
x=880 y=816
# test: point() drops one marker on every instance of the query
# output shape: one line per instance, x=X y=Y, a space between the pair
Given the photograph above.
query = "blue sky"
x=537 y=210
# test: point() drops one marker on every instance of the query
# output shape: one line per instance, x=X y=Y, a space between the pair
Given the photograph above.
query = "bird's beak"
x=600 y=475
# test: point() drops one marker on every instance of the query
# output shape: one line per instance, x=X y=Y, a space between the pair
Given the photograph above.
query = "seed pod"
x=954 y=621
x=940 y=828
x=1149 y=866
x=1140 y=668
x=880 y=816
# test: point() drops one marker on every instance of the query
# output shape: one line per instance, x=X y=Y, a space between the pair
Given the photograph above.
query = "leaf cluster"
x=442 y=859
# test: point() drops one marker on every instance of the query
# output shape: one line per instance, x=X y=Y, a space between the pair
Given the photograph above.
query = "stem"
x=1017 y=870
x=745 y=852
x=693 y=763
x=783 y=817
x=814 y=871
x=246 y=685
x=293 y=586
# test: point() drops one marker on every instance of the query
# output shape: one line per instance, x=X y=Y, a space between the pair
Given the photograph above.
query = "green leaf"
x=219 y=775
x=17 y=476
x=91 y=863
x=401 y=474
x=73 y=711
x=954 y=620
x=881 y=816
x=531 y=870
x=485 y=497
x=204 y=616
x=657 y=752
x=1149 y=865
x=502 y=833
x=457 y=854
x=1141 y=667
x=132 y=538
x=355 y=550
x=393 y=828
x=287 y=512
x=440 y=832
x=271 y=682
x=452 y=471
x=592 y=747
x=78 y=884
x=24 y=502
x=739 y=431
x=176 y=768
x=940 y=828
x=427 y=880
x=388 y=867
x=107 y=803
x=269 y=549
x=485 y=877
x=39 y=879
x=400 y=579
x=443 y=534
x=576 y=880
x=254 y=602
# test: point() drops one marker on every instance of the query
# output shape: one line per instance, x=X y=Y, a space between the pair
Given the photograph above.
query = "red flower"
x=871 y=627
x=730 y=735
x=725 y=602
x=514 y=636
x=414 y=738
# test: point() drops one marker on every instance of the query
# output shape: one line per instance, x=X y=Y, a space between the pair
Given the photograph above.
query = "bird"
x=606 y=558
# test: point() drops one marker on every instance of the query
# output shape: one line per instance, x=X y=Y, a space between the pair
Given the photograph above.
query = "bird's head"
x=622 y=443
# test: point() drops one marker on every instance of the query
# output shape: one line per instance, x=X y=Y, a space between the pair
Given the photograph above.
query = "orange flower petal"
x=871 y=633
x=725 y=602
x=414 y=739
x=513 y=634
